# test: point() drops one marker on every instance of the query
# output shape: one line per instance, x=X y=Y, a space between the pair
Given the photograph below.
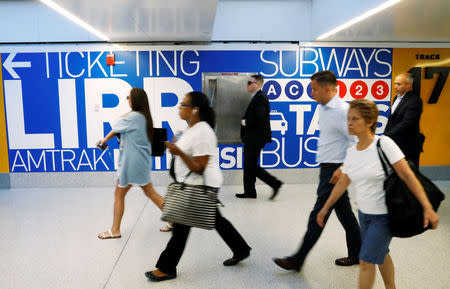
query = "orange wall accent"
x=435 y=120
x=4 y=159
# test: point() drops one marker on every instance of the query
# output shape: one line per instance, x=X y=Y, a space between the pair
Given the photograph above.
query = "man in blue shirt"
x=334 y=141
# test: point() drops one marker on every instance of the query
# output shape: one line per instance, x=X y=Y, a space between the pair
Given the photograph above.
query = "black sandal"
x=155 y=278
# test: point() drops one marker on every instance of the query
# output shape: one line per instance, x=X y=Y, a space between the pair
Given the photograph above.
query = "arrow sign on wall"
x=10 y=65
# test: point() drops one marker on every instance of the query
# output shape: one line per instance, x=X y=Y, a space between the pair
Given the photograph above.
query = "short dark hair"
x=325 y=77
x=259 y=78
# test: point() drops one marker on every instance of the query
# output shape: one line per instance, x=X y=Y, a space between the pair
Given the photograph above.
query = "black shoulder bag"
x=405 y=213
x=159 y=137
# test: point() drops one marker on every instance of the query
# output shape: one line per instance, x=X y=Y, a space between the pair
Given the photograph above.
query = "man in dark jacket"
x=255 y=133
x=403 y=123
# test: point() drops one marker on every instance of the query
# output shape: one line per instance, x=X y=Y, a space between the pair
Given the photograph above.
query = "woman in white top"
x=135 y=159
x=362 y=168
x=196 y=151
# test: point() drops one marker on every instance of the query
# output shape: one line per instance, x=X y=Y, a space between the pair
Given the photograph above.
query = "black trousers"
x=252 y=170
x=344 y=213
x=168 y=261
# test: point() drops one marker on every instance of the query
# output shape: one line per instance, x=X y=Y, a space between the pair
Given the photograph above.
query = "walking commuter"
x=362 y=167
x=135 y=159
x=255 y=133
x=197 y=163
x=403 y=123
x=333 y=142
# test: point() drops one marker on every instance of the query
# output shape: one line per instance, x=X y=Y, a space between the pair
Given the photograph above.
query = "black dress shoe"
x=346 y=261
x=246 y=196
x=234 y=260
x=155 y=278
x=275 y=191
x=287 y=264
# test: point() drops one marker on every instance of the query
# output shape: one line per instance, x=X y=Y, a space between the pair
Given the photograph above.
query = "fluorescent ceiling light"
x=74 y=19
x=360 y=18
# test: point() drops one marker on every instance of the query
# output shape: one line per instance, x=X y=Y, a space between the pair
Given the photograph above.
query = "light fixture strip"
x=74 y=19
x=361 y=17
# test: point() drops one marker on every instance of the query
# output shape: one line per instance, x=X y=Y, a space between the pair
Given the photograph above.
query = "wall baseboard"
x=5 y=181
x=435 y=173
x=162 y=178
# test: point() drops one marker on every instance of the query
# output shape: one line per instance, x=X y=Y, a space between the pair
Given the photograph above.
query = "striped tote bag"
x=190 y=205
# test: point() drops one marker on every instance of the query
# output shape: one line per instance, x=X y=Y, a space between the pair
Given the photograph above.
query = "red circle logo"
x=341 y=89
x=380 y=89
x=359 y=89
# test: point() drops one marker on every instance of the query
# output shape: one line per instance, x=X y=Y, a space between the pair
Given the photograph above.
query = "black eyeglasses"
x=250 y=82
x=186 y=105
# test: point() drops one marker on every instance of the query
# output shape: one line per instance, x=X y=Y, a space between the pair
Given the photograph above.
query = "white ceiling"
x=224 y=20
x=407 y=21
x=147 y=20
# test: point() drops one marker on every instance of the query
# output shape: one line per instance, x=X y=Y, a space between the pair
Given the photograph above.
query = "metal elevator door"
x=229 y=98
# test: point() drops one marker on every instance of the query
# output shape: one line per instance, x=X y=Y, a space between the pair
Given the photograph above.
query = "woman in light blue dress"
x=135 y=159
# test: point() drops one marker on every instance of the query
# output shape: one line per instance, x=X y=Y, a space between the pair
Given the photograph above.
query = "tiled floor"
x=49 y=240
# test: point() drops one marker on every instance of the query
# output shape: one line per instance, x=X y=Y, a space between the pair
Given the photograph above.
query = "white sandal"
x=166 y=228
x=108 y=235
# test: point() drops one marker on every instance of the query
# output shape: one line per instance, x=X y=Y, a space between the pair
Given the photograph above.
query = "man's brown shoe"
x=347 y=261
x=234 y=260
x=287 y=264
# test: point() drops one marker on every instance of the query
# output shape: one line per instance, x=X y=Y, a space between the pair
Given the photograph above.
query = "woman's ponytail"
x=209 y=116
x=206 y=112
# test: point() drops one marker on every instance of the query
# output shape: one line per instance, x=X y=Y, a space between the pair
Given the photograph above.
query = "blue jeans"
x=376 y=237
x=344 y=213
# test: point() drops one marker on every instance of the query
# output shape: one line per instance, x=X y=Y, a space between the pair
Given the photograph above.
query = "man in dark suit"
x=255 y=133
x=403 y=123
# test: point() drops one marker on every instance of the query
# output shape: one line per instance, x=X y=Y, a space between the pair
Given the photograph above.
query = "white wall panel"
x=248 y=20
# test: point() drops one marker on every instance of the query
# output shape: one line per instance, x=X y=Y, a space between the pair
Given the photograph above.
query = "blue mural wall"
x=58 y=103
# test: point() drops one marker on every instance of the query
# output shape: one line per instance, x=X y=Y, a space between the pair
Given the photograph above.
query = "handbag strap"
x=183 y=183
x=172 y=169
x=204 y=186
x=383 y=158
x=187 y=176
x=172 y=172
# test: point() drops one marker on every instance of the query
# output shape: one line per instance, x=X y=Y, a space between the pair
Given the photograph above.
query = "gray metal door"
x=229 y=98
